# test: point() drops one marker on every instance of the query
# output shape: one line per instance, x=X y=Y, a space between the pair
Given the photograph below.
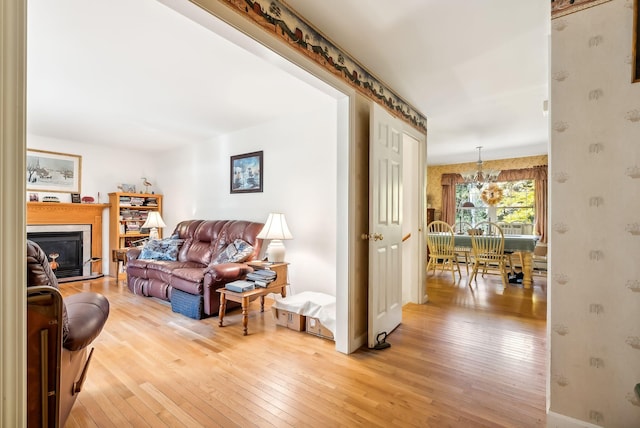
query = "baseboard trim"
x=557 y=420
x=79 y=278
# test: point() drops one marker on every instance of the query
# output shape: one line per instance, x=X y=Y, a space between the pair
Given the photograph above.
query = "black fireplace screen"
x=67 y=246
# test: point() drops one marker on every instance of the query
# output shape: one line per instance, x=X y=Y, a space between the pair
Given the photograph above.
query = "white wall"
x=103 y=168
x=300 y=167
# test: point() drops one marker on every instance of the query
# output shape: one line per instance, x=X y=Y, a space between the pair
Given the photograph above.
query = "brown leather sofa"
x=59 y=333
x=190 y=282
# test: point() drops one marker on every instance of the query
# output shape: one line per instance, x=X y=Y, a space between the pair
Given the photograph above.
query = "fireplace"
x=53 y=217
x=72 y=244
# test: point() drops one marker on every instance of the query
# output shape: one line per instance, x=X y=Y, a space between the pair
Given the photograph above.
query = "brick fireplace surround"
x=44 y=213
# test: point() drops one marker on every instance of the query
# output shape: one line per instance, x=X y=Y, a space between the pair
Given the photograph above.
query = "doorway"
x=412 y=213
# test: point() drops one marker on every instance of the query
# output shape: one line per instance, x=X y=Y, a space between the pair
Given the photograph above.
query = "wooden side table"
x=278 y=285
x=119 y=255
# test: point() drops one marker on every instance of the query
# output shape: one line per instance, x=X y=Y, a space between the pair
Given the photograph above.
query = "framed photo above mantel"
x=53 y=172
x=246 y=173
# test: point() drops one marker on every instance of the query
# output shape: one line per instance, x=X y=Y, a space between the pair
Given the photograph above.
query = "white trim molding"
x=13 y=372
x=556 y=420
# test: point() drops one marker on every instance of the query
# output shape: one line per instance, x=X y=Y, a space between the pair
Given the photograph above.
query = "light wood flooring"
x=471 y=357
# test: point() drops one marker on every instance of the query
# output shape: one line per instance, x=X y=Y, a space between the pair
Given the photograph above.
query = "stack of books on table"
x=240 y=286
x=261 y=277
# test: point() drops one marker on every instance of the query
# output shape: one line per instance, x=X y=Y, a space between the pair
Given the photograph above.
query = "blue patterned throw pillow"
x=236 y=252
x=162 y=249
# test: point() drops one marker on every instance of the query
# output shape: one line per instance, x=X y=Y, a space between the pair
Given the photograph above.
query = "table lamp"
x=276 y=230
x=154 y=221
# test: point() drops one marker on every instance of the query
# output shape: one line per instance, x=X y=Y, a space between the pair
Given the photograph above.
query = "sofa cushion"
x=236 y=252
x=199 y=247
x=162 y=249
x=197 y=252
x=168 y=266
x=188 y=279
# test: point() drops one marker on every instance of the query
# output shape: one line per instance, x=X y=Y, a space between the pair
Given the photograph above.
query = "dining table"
x=525 y=244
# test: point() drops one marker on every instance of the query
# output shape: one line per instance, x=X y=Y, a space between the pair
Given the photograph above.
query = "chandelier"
x=480 y=177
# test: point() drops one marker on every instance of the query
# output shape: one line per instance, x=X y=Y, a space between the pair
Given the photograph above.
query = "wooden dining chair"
x=463 y=254
x=441 y=248
x=539 y=259
x=488 y=252
x=516 y=227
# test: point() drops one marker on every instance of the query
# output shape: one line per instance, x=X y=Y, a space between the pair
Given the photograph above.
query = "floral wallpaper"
x=434 y=174
x=594 y=179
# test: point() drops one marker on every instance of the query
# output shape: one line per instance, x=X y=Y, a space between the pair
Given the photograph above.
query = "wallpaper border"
x=563 y=7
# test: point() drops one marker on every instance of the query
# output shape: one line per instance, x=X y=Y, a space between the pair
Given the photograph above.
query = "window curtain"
x=537 y=173
x=449 y=182
x=542 y=192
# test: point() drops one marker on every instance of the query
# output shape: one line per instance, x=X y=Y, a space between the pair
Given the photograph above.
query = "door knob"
x=372 y=237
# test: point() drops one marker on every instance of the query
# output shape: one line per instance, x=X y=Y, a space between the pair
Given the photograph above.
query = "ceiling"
x=138 y=74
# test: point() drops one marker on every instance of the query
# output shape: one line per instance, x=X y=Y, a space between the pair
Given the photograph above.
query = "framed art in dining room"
x=53 y=171
x=246 y=173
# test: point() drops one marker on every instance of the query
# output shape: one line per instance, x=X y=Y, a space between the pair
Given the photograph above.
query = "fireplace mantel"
x=66 y=213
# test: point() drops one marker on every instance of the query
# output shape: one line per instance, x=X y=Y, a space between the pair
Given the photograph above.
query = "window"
x=517 y=204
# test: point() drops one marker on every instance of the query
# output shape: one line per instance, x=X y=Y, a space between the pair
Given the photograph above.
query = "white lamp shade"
x=153 y=220
x=275 y=228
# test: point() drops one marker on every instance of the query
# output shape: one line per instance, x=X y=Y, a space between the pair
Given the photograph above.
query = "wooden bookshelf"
x=127 y=214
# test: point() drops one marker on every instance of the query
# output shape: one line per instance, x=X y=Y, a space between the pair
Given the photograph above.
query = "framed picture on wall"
x=53 y=172
x=246 y=173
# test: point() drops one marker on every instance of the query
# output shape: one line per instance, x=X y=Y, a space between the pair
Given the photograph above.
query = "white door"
x=385 y=224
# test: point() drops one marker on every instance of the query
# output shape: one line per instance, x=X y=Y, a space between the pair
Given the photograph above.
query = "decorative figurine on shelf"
x=146 y=184
x=126 y=188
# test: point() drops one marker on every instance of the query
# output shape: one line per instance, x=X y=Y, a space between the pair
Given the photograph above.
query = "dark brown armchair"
x=59 y=334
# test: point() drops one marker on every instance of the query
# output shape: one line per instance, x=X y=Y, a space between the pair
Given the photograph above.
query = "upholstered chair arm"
x=227 y=272
x=88 y=312
x=133 y=253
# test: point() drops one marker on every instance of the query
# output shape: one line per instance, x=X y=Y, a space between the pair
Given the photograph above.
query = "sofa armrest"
x=88 y=312
x=133 y=253
x=227 y=272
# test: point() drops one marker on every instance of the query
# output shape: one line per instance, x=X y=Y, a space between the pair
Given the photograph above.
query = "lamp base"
x=153 y=233
x=276 y=251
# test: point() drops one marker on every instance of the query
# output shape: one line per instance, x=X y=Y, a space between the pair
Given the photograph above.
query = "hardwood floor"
x=469 y=358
